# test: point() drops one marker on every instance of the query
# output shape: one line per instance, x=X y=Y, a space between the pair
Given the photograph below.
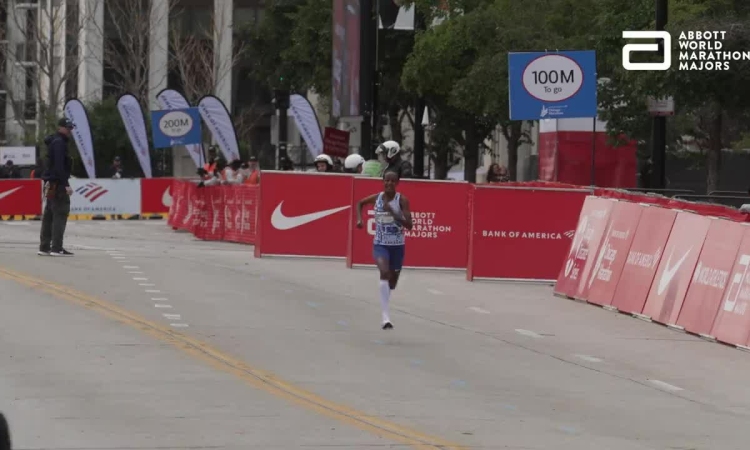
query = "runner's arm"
x=370 y=200
x=405 y=219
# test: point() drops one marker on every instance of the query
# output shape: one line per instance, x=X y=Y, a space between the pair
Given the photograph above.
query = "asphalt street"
x=151 y=339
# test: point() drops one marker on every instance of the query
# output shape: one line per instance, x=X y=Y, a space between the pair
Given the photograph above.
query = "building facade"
x=54 y=50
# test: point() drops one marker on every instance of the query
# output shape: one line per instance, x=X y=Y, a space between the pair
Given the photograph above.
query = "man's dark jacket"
x=402 y=167
x=58 y=165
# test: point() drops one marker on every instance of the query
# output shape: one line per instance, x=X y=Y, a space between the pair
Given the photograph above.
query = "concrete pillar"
x=91 y=47
x=223 y=54
x=158 y=55
x=15 y=76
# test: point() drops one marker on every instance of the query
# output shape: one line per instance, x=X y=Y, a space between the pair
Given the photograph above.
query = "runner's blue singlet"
x=387 y=230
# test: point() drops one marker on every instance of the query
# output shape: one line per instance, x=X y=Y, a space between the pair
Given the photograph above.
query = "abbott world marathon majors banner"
x=171 y=99
x=135 y=125
x=307 y=123
x=76 y=113
x=216 y=116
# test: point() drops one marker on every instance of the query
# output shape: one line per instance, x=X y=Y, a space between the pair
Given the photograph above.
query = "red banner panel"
x=675 y=270
x=732 y=324
x=592 y=223
x=440 y=210
x=711 y=276
x=304 y=214
x=613 y=252
x=156 y=195
x=521 y=233
x=643 y=258
x=240 y=204
x=211 y=223
x=20 y=197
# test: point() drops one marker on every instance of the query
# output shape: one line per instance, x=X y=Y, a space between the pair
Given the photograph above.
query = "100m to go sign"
x=552 y=78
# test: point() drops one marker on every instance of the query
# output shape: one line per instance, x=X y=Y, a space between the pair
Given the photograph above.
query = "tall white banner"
x=171 y=99
x=216 y=116
x=135 y=124
x=307 y=123
x=76 y=113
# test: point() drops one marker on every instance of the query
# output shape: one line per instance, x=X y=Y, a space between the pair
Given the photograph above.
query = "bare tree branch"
x=43 y=56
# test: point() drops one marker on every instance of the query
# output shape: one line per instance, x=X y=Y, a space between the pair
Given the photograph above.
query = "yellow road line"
x=258 y=378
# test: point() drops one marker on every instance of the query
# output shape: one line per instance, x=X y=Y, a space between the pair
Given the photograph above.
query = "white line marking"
x=589 y=358
x=667 y=386
x=146 y=284
x=15 y=223
x=178 y=325
x=130 y=267
x=160 y=305
x=434 y=292
x=140 y=279
x=172 y=316
x=136 y=272
x=479 y=310
x=159 y=299
x=527 y=333
x=153 y=291
x=120 y=257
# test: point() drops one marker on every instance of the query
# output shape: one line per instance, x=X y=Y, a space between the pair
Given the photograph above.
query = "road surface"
x=150 y=339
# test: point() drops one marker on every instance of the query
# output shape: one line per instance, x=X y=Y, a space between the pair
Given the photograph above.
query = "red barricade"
x=675 y=270
x=521 y=232
x=732 y=324
x=20 y=197
x=573 y=278
x=613 y=252
x=240 y=204
x=156 y=195
x=304 y=214
x=710 y=276
x=644 y=256
x=440 y=210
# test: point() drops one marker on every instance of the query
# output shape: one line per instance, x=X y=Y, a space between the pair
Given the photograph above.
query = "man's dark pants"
x=54 y=220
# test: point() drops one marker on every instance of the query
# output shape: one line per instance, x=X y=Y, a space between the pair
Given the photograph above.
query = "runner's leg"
x=396 y=261
x=381 y=255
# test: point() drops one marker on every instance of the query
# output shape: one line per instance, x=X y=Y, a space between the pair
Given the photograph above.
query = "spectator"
x=115 y=171
x=392 y=152
x=286 y=164
x=10 y=170
x=251 y=173
x=497 y=174
x=323 y=163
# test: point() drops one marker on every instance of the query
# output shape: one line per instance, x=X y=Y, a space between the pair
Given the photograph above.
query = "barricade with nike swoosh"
x=685 y=268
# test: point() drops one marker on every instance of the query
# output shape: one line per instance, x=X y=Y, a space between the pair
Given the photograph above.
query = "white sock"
x=385 y=296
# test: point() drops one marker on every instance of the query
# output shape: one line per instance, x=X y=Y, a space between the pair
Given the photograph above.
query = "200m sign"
x=176 y=124
x=552 y=78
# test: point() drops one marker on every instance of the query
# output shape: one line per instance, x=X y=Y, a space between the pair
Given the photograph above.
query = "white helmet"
x=389 y=148
x=353 y=161
x=324 y=158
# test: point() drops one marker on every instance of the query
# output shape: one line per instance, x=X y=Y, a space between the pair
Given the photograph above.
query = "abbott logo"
x=627 y=49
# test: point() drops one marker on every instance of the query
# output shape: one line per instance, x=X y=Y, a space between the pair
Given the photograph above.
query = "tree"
x=126 y=35
x=40 y=70
x=710 y=109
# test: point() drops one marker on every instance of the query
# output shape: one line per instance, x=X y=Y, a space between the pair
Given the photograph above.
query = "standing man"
x=57 y=191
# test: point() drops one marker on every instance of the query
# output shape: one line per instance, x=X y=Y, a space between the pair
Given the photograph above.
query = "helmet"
x=389 y=149
x=324 y=158
x=353 y=161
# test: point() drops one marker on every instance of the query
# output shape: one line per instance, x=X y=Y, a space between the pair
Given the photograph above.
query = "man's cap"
x=66 y=123
x=253 y=159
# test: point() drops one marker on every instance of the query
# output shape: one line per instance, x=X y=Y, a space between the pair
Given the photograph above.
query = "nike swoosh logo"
x=669 y=272
x=282 y=222
x=166 y=198
x=7 y=193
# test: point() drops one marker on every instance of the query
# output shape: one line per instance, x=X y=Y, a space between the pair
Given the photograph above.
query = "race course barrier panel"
x=440 y=211
x=732 y=324
x=303 y=214
x=521 y=233
x=20 y=197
